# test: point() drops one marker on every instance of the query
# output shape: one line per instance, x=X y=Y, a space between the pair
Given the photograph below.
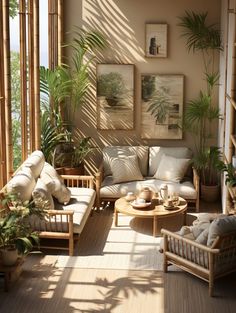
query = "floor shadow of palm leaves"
x=118 y=290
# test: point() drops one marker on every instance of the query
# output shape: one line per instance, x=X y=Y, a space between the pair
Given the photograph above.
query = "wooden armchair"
x=202 y=261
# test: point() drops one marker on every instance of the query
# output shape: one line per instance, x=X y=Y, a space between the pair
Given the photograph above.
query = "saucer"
x=140 y=205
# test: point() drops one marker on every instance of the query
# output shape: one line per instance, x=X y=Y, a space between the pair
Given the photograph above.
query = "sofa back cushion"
x=221 y=226
x=55 y=184
x=111 y=152
x=155 y=155
x=35 y=162
x=22 y=184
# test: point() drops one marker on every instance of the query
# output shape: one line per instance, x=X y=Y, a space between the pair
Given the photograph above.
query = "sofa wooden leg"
x=165 y=264
x=71 y=246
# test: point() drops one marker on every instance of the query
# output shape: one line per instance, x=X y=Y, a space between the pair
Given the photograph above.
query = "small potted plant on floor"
x=16 y=237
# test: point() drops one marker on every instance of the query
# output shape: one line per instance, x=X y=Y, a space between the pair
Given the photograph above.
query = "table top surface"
x=155 y=209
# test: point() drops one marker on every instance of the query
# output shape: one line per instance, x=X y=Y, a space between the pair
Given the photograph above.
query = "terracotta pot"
x=9 y=256
x=74 y=170
x=210 y=193
x=146 y=194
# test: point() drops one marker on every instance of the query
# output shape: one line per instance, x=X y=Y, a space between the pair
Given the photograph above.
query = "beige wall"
x=123 y=23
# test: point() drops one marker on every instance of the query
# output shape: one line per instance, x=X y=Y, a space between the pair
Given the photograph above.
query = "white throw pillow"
x=125 y=169
x=171 y=169
x=55 y=184
x=41 y=193
x=22 y=184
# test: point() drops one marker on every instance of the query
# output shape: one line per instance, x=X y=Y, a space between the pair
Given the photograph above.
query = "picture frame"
x=156 y=41
x=115 y=96
x=162 y=106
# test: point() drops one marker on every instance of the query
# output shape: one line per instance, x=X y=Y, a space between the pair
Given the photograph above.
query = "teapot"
x=146 y=194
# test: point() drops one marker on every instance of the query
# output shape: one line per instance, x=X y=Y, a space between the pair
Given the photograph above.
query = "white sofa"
x=148 y=159
x=68 y=206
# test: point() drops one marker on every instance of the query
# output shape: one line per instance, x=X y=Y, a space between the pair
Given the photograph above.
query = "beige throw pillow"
x=125 y=169
x=41 y=193
x=55 y=184
x=171 y=168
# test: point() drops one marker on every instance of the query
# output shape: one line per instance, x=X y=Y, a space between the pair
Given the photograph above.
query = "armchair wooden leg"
x=211 y=286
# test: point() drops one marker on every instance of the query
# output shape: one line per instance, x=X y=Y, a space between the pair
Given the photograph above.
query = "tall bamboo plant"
x=200 y=113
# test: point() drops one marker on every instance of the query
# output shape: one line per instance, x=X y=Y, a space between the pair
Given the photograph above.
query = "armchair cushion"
x=171 y=168
x=220 y=226
x=125 y=169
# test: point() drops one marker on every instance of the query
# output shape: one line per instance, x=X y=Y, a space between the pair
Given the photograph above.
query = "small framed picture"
x=156 y=40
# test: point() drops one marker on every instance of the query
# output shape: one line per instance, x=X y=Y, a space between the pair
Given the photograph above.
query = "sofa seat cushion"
x=81 y=202
x=111 y=152
x=109 y=190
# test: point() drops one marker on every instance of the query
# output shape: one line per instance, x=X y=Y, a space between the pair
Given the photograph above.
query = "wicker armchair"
x=202 y=261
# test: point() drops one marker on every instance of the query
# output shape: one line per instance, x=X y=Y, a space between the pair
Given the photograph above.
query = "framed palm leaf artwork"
x=162 y=106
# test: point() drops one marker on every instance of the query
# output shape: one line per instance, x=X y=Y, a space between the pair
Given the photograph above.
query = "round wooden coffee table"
x=155 y=211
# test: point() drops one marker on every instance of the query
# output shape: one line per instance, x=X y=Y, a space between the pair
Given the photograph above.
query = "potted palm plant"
x=16 y=236
x=64 y=90
x=202 y=112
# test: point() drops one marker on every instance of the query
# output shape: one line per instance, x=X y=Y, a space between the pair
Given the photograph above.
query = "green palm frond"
x=199 y=35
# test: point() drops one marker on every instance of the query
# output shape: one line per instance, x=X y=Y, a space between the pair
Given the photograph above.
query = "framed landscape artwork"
x=162 y=106
x=156 y=40
x=115 y=96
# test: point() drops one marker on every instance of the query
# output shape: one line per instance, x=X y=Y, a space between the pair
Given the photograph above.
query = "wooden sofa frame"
x=55 y=216
x=99 y=176
x=200 y=260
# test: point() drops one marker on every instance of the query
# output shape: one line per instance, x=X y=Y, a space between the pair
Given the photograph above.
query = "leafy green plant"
x=65 y=87
x=80 y=152
x=207 y=162
x=15 y=231
x=230 y=174
x=202 y=112
x=111 y=85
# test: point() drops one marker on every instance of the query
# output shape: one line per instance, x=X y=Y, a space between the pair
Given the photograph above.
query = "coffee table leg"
x=154 y=226
x=116 y=218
